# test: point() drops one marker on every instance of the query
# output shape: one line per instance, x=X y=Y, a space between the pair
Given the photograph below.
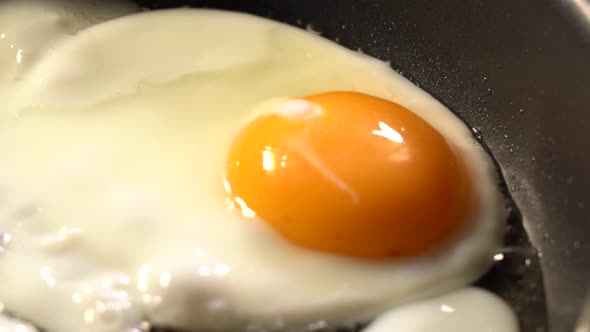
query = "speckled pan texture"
x=518 y=72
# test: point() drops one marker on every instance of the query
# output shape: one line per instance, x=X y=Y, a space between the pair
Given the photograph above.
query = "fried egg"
x=208 y=170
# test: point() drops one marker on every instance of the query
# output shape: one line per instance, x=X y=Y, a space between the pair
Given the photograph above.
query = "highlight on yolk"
x=350 y=174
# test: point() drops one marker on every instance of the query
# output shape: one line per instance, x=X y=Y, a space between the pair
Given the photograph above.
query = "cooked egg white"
x=9 y=324
x=112 y=150
x=31 y=29
x=466 y=310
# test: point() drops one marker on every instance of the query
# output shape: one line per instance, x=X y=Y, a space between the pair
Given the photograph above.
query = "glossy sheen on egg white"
x=112 y=149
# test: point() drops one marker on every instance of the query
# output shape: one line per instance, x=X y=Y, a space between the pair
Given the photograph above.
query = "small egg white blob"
x=9 y=324
x=466 y=310
x=112 y=151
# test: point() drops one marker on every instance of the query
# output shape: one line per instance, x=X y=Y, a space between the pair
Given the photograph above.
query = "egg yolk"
x=350 y=174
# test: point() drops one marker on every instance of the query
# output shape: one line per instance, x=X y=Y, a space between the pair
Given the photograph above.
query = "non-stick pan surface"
x=518 y=72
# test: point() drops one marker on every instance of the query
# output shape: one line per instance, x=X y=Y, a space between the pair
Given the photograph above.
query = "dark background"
x=519 y=72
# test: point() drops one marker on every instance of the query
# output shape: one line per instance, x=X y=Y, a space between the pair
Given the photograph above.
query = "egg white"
x=9 y=324
x=466 y=310
x=112 y=151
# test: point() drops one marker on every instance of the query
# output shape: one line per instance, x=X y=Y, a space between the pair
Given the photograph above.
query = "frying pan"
x=519 y=73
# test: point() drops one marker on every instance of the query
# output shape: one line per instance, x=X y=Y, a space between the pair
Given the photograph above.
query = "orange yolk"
x=350 y=174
